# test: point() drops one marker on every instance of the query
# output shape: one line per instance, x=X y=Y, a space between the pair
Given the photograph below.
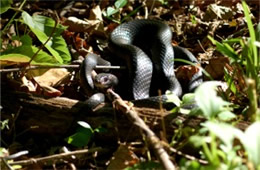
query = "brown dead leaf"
x=96 y=13
x=215 y=11
x=216 y=67
x=122 y=158
x=49 y=91
x=237 y=76
x=186 y=72
x=78 y=25
x=51 y=77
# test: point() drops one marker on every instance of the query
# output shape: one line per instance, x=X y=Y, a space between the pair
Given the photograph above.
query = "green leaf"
x=5 y=5
x=24 y=53
x=79 y=139
x=173 y=98
x=83 y=135
x=208 y=101
x=120 y=3
x=42 y=27
x=251 y=142
x=225 y=132
x=250 y=26
x=111 y=11
x=14 y=57
x=188 y=97
x=226 y=116
x=224 y=48
x=26 y=40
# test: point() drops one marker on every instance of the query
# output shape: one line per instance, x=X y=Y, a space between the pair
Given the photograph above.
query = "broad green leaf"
x=5 y=5
x=225 y=132
x=251 y=142
x=26 y=40
x=188 y=97
x=226 y=115
x=25 y=52
x=79 y=139
x=208 y=101
x=83 y=135
x=111 y=11
x=42 y=27
x=173 y=98
x=120 y=3
x=14 y=58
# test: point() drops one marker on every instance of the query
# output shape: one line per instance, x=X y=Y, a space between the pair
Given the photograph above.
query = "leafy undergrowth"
x=42 y=42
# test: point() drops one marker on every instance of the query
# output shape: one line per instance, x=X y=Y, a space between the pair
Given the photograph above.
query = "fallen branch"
x=55 y=158
x=152 y=139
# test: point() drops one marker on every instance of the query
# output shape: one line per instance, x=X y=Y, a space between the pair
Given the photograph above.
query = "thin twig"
x=43 y=45
x=35 y=67
x=153 y=140
x=189 y=157
x=202 y=46
x=56 y=157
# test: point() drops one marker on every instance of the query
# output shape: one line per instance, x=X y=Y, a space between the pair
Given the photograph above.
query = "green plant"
x=217 y=138
x=219 y=148
x=48 y=33
x=118 y=5
x=83 y=135
x=247 y=61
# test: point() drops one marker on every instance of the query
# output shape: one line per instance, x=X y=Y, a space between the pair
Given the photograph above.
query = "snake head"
x=104 y=81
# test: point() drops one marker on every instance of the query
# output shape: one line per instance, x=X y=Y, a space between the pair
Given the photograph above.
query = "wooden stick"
x=56 y=157
x=35 y=67
x=153 y=140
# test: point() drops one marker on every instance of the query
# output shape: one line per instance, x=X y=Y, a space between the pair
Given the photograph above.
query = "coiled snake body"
x=145 y=45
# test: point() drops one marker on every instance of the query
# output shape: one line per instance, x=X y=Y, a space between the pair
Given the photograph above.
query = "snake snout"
x=105 y=80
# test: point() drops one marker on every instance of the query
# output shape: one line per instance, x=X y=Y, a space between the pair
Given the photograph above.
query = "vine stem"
x=43 y=45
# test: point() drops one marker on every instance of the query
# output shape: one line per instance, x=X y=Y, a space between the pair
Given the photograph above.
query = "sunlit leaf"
x=84 y=124
x=225 y=132
x=79 y=139
x=24 y=53
x=120 y=3
x=251 y=142
x=43 y=27
x=207 y=100
x=83 y=135
x=226 y=115
x=111 y=11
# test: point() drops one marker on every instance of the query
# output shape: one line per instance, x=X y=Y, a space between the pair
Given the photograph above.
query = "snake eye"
x=105 y=79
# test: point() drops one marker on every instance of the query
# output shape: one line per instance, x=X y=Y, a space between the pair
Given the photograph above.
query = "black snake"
x=145 y=46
